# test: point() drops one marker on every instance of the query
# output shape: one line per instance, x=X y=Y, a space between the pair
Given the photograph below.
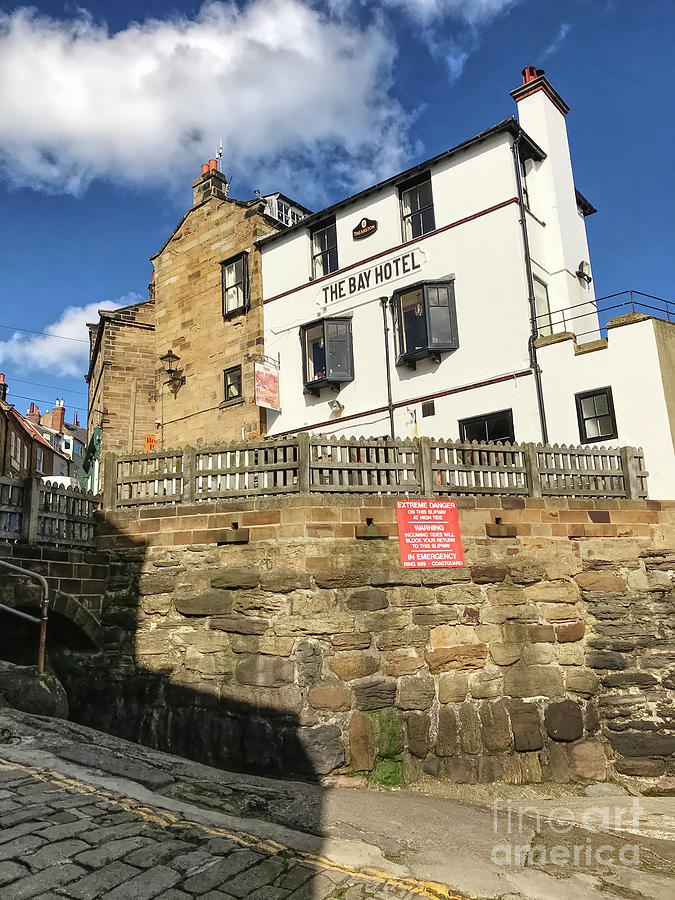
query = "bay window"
x=327 y=356
x=425 y=321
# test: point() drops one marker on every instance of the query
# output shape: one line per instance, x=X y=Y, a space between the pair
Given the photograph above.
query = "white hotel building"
x=456 y=300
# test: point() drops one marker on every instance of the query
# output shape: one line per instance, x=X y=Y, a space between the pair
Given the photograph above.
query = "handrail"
x=44 y=610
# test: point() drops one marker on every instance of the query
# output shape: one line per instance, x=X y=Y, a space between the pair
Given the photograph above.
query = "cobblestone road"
x=64 y=838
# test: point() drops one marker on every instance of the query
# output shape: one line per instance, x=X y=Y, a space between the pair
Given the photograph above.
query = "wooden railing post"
x=303 y=462
x=533 y=473
x=426 y=476
x=630 y=481
x=189 y=479
x=31 y=510
x=109 y=481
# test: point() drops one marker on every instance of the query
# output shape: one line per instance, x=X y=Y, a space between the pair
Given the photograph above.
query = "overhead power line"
x=52 y=387
x=11 y=397
x=61 y=337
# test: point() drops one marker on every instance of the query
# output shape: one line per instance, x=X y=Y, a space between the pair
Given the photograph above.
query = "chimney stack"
x=58 y=415
x=211 y=183
x=33 y=414
x=3 y=387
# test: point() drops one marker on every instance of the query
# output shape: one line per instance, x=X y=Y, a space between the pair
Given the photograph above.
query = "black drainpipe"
x=534 y=332
x=384 y=302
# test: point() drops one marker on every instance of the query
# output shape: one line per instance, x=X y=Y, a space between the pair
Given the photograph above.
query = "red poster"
x=428 y=534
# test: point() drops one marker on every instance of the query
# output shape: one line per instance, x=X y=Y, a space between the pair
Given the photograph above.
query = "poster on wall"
x=266 y=386
x=428 y=534
x=150 y=443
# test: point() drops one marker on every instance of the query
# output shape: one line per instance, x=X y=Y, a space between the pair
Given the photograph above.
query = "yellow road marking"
x=164 y=819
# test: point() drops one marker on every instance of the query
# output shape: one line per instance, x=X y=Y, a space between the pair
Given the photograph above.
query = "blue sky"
x=107 y=118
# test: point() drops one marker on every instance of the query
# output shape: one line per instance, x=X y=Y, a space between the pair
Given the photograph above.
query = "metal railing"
x=326 y=464
x=44 y=610
x=558 y=320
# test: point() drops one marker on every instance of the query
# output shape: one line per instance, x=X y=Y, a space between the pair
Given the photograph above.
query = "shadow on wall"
x=173 y=688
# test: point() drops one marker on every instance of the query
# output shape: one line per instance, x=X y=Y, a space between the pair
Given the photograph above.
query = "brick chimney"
x=3 y=387
x=211 y=183
x=58 y=415
x=33 y=414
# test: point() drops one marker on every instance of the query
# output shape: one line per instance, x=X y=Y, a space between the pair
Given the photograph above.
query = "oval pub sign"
x=365 y=228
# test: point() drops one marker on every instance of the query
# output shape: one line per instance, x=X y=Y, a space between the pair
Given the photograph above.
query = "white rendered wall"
x=630 y=365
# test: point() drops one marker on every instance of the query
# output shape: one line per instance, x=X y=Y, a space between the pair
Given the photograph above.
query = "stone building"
x=24 y=452
x=204 y=313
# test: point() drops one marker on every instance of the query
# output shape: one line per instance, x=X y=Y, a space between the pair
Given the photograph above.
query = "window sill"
x=227 y=403
x=233 y=313
x=315 y=387
x=602 y=437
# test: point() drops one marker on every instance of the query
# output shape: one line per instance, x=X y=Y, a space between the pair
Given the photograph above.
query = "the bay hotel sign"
x=406 y=263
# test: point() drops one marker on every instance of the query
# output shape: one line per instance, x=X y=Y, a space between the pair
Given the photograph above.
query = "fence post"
x=303 y=462
x=31 y=510
x=109 y=481
x=533 y=474
x=189 y=467
x=630 y=482
x=424 y=465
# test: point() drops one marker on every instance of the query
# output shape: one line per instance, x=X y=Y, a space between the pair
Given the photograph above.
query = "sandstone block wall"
x=546 y=657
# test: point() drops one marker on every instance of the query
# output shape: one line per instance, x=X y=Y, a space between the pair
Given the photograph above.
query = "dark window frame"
x=325 y=255
x=431 y=348
x=246 y=294
x=329 y=379
x=484 y=418
x=228 y=400
x=581 y=419
x=404 y=187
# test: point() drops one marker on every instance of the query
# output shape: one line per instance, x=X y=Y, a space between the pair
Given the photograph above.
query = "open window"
x=327 y=356
x=235 y=285
x=425 y=319
x=324 y=248
x=417 y=207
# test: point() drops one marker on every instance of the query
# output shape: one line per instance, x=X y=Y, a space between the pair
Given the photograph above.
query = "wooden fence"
x=45 y=513
x=419 y=466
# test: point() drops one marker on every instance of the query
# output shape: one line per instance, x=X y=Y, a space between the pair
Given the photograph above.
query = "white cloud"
x=473 y=12
x=563 y=31
x=148 y=103
x=50 y=352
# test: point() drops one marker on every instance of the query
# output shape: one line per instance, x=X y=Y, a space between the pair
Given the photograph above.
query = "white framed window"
x=14 y=451
x=25 y=457
x=417 y=207
x=40 y=460
x=542 y=308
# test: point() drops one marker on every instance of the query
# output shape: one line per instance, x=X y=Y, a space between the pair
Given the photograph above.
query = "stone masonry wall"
x=548 y=657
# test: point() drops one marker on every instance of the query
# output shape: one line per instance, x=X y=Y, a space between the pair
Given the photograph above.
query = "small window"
x=324 y=249
x=542 y=308
x=595 y=412
x=25 y=457
x=417 y=208
x=425 y=320
x=235 y=284
x=327 y=357
x=493 y=427
x=232 y=379
x=428 y=409
x=39 y=460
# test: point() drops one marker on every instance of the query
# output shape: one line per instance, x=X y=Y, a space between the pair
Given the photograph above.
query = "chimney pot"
x=213 y=165
x=205 y=168
x=530 y=73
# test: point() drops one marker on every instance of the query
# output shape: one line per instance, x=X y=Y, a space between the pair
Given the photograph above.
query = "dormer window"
x=324 y=249
x=425 y=321
x=327 y=357
x=417 y=207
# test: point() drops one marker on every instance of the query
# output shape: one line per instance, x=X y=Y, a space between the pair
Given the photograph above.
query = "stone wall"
x=549 y=656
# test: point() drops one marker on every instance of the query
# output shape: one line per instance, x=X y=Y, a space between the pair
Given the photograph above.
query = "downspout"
x=534 y=331
x=384 y=301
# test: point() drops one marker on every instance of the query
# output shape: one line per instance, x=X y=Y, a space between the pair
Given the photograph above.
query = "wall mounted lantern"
x=170 y=361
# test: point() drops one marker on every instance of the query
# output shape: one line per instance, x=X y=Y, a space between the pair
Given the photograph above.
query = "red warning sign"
x=428 y=534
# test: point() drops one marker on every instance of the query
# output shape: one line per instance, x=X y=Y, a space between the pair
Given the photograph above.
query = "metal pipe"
x=44 y=610
x=534 y=332
x=384 y=301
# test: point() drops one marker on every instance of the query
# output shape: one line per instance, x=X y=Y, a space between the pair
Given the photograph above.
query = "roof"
x=511 y=126
x=288 y=200
x=585 y=206
x=33 y=433
x=80 y=434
